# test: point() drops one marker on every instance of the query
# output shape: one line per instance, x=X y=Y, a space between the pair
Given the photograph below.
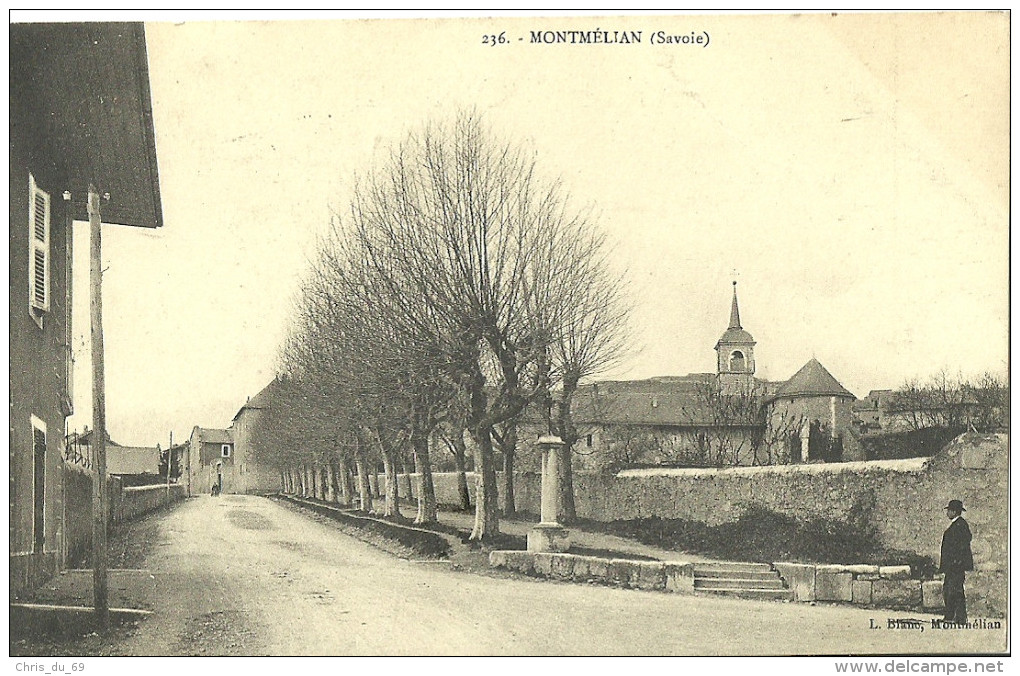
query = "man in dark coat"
x=956 y=558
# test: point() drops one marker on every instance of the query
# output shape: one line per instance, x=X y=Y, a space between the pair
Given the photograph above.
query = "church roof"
x=683 y=401
x=735 y=333
x=812 y=380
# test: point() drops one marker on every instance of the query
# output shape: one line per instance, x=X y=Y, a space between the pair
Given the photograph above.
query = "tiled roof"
x=812 y=380
x=668 y=402
x=209 y=435
x=132 y=460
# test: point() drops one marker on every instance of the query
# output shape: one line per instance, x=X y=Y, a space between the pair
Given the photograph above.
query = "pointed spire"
x=734 y=310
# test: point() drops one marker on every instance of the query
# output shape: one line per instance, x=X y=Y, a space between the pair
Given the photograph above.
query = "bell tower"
x=735 y=353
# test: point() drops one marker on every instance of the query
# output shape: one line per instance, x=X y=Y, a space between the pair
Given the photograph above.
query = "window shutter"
x=39 y=247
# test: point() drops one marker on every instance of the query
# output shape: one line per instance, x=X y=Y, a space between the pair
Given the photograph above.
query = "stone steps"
x=743 y=580
x=721 y=583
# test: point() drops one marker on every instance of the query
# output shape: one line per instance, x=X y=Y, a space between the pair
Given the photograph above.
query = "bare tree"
x=474 y=255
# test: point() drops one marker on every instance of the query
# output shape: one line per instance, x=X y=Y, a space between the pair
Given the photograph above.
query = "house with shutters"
x=80 y=115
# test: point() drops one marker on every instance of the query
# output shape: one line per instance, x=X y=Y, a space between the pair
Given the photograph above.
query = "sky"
x=849 y=171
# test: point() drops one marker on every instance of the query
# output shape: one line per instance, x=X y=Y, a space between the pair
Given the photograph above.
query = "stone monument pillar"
x=549 y=535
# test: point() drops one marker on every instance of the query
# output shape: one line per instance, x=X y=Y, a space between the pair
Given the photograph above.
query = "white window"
x=225 y=451
x=39 y=248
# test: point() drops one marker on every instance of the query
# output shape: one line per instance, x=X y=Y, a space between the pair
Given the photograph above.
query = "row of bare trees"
x=458 y=293
x=953 y=402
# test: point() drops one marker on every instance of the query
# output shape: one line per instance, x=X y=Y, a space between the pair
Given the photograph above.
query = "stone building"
x=816 y=398
x=252 y=477
x=211 y=462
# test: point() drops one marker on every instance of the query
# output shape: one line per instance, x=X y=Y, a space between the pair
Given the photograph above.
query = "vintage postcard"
x=501 y=335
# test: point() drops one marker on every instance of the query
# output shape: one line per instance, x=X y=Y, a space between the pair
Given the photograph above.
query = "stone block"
x=622 y=572
x=833 y=586
x=679 y=577
x=520 y=561
x=497 y=558
x=861 y=569
x=976 y=457
x=650 y=575
x=800 y=578
x=861 y=592
x=582 y=568
x=896 y=593
x=895 y=572
x=548 y=538
x=868 y=576
x=931 y=595
x=599 y=569
x=543 y=563
x=563 y=566
x=831 y=568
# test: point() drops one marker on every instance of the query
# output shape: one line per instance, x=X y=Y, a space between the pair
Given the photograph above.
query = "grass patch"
x=415 y=541
x=762 y=535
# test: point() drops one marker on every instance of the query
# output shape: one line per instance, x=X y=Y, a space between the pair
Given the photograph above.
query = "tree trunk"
x=568 y=510
x=392 y=507
x=408 y=490
x=315 y=482
x=509 y=448
x=486 y=492
x=428 y=510
x=460 y=460
x=346 y=483
x=364 y=490
x=334 y=482
x=564 y=426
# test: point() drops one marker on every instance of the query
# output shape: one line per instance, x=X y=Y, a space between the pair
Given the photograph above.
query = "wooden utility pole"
x=99 y=496
x=169 y=465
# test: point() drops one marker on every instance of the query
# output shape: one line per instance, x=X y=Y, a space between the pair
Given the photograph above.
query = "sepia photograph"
x=495 y=334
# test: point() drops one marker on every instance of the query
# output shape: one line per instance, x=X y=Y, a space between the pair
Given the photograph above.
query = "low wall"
x=142 y=499
x=125 y=504
x=673 y=576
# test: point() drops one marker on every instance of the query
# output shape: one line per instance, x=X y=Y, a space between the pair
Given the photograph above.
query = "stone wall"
x=125 y=504
x=904 y=499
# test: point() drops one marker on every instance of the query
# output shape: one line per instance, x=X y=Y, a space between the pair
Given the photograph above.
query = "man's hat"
x=956 y=506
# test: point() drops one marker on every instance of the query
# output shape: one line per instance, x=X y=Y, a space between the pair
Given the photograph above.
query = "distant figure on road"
x=215 y=489
x=955 y=559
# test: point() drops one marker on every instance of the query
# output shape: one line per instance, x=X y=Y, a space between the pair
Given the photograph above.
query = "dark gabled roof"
x=259 y=401
x=812 y=380
x=666 y=402
x=84 y=87
x=208 y=435
x=132 y=460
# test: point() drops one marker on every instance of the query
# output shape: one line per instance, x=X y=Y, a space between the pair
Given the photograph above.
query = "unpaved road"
x=243 y=575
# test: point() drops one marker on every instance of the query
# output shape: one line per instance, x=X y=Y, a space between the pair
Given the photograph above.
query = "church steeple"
x=735 y=352
x=734 y=310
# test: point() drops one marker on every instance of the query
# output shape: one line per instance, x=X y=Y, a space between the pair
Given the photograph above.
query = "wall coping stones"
x=906 y=465
x=677 y=576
